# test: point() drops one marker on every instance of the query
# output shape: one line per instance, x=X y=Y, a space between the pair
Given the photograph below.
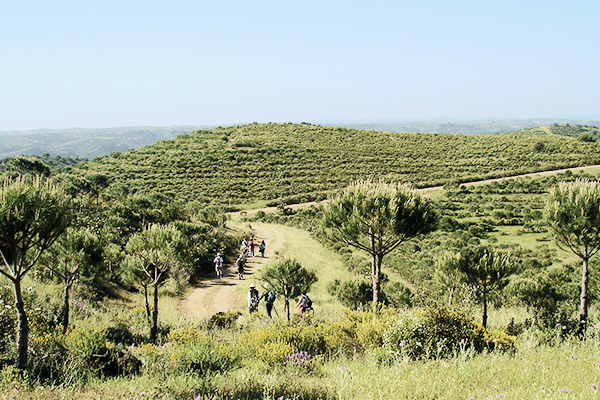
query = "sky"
x=105 y=63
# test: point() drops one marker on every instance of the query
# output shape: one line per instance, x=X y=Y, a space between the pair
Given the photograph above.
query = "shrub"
x=440 y=332
x=203 y=356
x=187 y=350
x=224 y=320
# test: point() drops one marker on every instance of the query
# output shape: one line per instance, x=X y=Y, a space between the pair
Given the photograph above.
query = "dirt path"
x=229 y=293
x=589 y=168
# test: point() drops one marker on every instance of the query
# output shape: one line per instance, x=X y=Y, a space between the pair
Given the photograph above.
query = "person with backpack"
x=261 y=248
x=218 y=261
x=269 y=296
x=304 y=304
x=251 y=246
x=253 y=298
x=241 y=263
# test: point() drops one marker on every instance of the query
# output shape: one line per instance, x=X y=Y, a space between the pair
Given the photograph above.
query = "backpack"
x=271 y=297
x=307 y=302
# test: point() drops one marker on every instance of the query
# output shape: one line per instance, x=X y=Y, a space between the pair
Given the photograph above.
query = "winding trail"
x=229 y=293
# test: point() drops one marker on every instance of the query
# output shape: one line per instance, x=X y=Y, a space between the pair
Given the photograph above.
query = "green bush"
x=224 y=320
x=187 y=350
x=440 y=332
x=203 y=357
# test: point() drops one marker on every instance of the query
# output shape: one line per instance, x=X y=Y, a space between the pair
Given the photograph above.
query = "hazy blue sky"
x=103 y=63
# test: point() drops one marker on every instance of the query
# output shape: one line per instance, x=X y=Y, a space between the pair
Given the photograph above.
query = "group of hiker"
x=247 y=248
x=254 y=297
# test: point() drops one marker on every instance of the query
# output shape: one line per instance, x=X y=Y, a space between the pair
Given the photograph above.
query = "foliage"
x=288 y=279
x=551 y=292
x=484 y=269
x=377 y=217
x=153 y=254
x=440 y=332
x=573 y=214
x=223 y=320
x=289 y=159
x=33 y=214
x=356 y=293
x=82 y=353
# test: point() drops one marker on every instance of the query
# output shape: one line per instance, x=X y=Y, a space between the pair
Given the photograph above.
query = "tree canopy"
x=377 y=217
x=573 y=214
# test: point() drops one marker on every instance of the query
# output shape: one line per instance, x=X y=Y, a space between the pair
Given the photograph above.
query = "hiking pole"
x=275 y=311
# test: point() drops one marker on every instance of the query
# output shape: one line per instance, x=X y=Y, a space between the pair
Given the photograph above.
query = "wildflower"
x=142 y=393
x=500 y=395
x=564 y=390
x=574 y=358
x=594 y=386
x=471 y=398
x=198 y=397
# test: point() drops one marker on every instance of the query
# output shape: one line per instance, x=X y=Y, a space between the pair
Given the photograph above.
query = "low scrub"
x=441 y=332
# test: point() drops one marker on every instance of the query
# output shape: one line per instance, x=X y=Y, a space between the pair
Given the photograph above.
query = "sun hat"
x=266 y=285
x=252 y=285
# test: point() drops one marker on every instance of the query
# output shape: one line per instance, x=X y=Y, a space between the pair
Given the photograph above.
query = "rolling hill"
x=251 y=163
x=81 y=142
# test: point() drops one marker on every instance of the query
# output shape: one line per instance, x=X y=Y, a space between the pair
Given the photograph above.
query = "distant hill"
x=244 y=164
x=582 y=132
x=85 y=143
x=464 y=127
x=90 y=143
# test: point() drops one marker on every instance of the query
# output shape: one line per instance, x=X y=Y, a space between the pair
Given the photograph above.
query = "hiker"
x=245 y=250
x=251 y=245
x=241 y=263
x=304 y=304
x=261 y=248
x=218 y=261
x=244 y=242
x=269 y=296
x=253 y=298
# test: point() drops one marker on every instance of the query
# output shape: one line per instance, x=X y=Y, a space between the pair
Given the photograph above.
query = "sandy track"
x=229 y=293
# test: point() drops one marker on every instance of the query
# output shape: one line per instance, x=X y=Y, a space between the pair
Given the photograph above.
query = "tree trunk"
x=154 y=324
x=66 y=307
x=286 y=302
x=22 y=327
x=583 y=307
x=376 y=275
x=146 y=303
x=485 y=313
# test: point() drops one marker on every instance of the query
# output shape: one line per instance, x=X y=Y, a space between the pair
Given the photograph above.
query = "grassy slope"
x=247 y=164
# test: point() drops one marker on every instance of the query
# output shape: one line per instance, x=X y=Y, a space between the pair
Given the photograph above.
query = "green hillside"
x=586 y=133
x=245 y=164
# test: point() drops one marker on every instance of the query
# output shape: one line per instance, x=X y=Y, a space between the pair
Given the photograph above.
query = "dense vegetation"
x=43 y=164
x=584 y=133
x=245 y=164
x=463 y=127
x=136 y=240
x=508 y=215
